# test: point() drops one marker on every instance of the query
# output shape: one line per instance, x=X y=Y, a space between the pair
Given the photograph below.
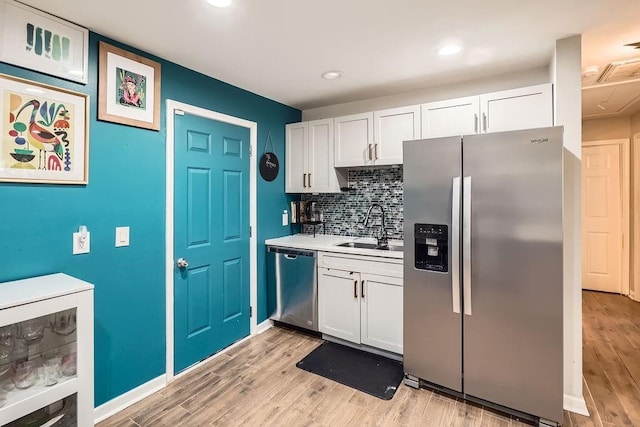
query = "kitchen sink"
x=363 y=245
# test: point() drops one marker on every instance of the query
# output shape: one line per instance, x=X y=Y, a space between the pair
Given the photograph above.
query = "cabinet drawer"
x=383 y=266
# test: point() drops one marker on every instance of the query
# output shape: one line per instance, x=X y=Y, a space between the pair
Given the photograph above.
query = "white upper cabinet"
x=391 y=128
x=452 y=117
x=296 y=157
x=375 y=138
x=354 y=140
x=309 y=158
x=523 y=108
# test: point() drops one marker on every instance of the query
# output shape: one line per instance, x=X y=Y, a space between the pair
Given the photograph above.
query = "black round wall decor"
x=269 y=166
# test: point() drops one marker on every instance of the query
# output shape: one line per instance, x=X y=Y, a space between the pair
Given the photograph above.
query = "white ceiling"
x=279 y=48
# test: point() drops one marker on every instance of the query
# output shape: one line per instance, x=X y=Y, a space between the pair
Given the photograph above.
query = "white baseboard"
x=127 y=399
x=264 y=326
x=575 y=404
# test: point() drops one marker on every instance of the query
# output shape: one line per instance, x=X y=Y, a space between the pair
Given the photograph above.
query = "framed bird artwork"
x=44 y=135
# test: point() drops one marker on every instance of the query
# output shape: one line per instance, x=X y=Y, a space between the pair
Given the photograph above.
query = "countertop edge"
x=327 y=243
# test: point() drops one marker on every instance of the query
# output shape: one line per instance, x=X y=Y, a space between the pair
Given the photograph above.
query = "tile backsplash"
x=344 y=213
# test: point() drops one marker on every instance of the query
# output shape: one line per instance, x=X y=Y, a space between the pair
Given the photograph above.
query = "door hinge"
x=250 y=311
x=178 y=112
x=250 y=150
x=250 y=231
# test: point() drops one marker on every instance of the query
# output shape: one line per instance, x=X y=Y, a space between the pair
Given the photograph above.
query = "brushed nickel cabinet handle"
x=304 y=180
x=484 y=122
x=475 y=123
x=375 y=151
x=309 y=180
x=369 y=153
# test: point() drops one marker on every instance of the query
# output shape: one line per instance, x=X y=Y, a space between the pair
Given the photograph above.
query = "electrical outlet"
x=81 y=245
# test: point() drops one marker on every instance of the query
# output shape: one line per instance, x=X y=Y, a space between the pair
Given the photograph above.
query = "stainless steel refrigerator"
x=483 y=268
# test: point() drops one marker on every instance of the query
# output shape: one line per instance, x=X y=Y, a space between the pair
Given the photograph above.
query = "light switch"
x=122 y=236
x=285 y=217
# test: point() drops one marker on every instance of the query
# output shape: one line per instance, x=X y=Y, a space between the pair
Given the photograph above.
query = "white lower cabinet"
x=46 y=352
x=359 y=306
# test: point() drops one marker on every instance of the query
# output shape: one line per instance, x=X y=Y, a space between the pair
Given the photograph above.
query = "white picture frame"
x=33 y=39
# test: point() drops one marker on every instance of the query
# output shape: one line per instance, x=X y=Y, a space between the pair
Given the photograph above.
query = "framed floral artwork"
x=44 y=133
x=33 y=39
x=128 y=88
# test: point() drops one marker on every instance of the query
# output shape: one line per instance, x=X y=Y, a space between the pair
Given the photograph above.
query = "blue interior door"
x=211 y=211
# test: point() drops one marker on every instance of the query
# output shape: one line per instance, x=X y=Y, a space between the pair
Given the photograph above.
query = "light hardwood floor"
x=257 y=383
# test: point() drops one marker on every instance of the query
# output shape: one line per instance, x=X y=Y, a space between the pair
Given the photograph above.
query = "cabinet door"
x=453 y=117
x=391 y=128
x=381 y=312
x=354 y=140
x=321 y=176
x=523 y=108
x=296 y=158
x=339 y=304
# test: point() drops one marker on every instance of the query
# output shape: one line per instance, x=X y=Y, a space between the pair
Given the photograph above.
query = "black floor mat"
x=367 y=372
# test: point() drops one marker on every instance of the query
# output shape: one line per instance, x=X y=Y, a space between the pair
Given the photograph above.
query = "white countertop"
x=327 y=243
x=25 y=291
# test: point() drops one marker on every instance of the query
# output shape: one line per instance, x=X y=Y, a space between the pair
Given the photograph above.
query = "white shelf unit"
x=36 y=297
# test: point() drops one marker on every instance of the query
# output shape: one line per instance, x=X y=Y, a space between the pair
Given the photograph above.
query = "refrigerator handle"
x=455 y=244
x=466 y=244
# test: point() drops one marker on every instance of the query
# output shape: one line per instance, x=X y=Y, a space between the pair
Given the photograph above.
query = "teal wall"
x=127 y=187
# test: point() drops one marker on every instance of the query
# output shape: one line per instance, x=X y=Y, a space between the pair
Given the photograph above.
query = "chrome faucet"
x=382 y=237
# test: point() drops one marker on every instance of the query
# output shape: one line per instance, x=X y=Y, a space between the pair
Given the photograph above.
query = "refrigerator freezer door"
x=513 y=338
x=432 y=330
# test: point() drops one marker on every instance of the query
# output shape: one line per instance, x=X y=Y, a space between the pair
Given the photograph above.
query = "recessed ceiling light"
x=219 y=3
x=451 y=49
x=331 y=75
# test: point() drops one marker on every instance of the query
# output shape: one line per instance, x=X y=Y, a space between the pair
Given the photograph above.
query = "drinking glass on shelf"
x=51 y=372
x=6 y=342
x=25 y=374
x=69 y=363
x=64 y=322
x=31 y=331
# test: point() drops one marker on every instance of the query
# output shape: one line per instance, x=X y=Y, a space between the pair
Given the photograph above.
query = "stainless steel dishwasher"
x=294 y=273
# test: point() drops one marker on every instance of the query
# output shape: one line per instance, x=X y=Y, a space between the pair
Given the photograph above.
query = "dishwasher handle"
x=291 y=253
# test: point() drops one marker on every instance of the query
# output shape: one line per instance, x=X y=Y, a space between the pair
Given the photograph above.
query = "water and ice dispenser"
x=431 y=247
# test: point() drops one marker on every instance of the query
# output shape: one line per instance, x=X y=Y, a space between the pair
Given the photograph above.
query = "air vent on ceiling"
x=620 y=71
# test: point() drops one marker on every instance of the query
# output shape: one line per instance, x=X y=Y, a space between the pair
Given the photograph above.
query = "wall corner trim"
x=127 y=399
x=264 y=326
x=575 y=404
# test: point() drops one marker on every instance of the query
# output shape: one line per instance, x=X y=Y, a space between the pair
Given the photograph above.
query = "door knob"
x=182 y=263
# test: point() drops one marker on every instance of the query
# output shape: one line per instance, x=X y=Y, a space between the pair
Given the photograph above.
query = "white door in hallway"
x=602 y=218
